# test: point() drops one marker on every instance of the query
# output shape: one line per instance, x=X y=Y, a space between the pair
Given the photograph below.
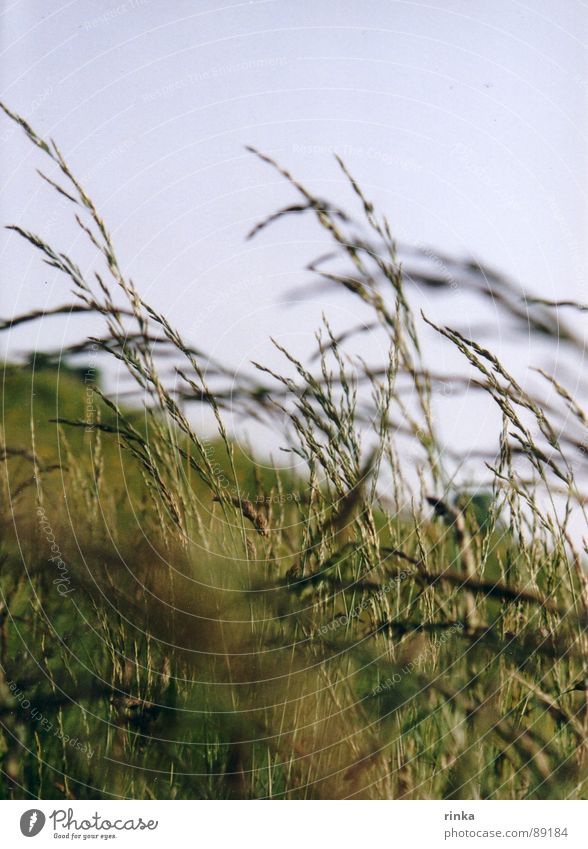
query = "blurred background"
x=465 y=122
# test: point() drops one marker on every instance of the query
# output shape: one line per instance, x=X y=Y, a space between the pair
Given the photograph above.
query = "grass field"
x=176 y=623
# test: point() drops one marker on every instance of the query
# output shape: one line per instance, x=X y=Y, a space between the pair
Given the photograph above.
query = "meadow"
x=178 y=622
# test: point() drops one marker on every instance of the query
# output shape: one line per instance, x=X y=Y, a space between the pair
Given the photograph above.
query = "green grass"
x=174 y=623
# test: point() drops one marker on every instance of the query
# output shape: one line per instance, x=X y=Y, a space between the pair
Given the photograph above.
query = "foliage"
x=174 y=625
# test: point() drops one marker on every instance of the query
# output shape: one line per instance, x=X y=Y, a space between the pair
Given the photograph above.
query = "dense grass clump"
x=175 y=623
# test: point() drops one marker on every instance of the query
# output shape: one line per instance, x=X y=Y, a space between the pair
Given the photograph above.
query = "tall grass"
x=384 y=634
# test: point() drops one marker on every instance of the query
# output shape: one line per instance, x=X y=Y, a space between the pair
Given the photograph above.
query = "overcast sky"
x=465 y=121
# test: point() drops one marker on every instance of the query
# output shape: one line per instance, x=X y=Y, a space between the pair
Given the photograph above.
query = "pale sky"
x=465 y=121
